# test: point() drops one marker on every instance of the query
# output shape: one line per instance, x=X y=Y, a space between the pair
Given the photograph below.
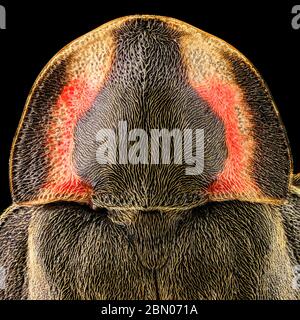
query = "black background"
x=92 y=309
x=262 y=31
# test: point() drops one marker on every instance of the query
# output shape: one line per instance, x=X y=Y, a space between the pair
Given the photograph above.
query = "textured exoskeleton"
x=81 y=229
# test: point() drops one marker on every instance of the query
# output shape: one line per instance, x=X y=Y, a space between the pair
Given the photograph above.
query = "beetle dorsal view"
x=150 y=163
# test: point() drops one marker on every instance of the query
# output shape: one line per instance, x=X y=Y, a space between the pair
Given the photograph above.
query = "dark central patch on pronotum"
x=148 y=88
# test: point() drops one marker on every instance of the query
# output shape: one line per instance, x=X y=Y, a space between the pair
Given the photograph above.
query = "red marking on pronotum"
x=223 y=98
x=75 y=99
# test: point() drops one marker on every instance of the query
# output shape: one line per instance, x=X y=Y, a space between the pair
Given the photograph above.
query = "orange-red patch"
x=75 y=99
x=223 y=98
